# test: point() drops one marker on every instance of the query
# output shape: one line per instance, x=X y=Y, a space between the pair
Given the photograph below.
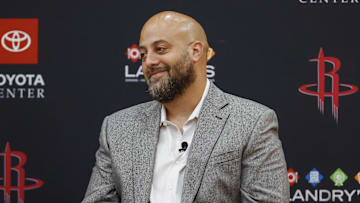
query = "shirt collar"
x=196 y=111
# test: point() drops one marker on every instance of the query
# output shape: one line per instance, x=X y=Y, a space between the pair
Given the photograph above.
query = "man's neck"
x=179 y=110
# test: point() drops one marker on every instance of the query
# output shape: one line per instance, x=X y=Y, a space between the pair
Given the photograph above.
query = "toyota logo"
x=16 y=41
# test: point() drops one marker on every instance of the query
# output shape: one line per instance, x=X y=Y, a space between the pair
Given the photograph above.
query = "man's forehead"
x=143 y=45
x=173 y=27
x=153 y=39
x=160 y=34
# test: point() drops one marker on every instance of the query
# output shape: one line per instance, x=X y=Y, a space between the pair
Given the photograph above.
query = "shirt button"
x=170 y=188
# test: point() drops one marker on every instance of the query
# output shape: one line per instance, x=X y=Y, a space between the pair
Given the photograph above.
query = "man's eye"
x=142 y=55
x=160 y=49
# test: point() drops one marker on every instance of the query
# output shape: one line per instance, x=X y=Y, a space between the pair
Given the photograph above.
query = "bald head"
x=173 y=47
x=176 y=27
x=177 y=23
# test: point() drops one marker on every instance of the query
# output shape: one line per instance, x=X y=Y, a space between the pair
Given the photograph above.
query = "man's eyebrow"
x=159 y=41
x=154 y=43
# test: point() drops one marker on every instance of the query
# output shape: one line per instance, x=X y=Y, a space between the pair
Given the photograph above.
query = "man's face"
x=167 y=66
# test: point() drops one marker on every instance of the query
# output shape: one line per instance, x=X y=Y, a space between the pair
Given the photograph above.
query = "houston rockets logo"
x=321 y=93
x=6 y=184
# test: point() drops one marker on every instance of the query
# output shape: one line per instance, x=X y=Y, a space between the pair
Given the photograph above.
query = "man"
x=195 y=143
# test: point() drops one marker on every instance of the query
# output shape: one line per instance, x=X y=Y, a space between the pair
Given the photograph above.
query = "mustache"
x=157 y=69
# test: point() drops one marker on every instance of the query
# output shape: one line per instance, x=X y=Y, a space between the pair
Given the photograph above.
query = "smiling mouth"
x=156 y=73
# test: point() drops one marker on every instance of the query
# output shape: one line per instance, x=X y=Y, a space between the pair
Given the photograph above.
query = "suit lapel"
x=211 y=121
x=144 y=147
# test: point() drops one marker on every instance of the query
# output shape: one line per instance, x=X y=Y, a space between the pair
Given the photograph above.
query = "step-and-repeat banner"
x=65 y=65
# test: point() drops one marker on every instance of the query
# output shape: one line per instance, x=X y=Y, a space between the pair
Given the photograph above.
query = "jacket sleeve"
x=101 y=187
x=264 y=174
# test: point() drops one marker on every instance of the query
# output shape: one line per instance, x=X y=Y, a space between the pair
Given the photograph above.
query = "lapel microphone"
x=184 y=146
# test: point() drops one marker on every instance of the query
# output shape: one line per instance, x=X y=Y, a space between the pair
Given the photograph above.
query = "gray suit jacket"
x=235 y=155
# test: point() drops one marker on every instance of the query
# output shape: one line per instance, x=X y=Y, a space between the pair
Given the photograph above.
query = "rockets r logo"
x=321 y=93
x=6 y=184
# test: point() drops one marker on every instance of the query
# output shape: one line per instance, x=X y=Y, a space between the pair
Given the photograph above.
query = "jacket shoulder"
x=129 y=114
x=246 y=113
x=246 y=106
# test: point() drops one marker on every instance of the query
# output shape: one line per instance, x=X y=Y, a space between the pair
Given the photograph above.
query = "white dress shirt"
x=170 y=164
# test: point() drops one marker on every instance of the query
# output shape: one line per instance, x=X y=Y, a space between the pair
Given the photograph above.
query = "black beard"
x=176 y=83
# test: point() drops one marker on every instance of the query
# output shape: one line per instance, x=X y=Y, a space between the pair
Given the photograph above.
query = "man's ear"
x=197 y=51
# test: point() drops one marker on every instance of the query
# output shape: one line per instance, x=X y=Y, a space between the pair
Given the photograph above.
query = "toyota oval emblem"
x=16 y=41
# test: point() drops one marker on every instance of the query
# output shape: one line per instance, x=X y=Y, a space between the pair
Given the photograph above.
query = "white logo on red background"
x=19 y=40
x=293 y=176
x=133 y=53
x=16 y=41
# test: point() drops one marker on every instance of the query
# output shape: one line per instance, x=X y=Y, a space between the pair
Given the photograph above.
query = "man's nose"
x=151 y=60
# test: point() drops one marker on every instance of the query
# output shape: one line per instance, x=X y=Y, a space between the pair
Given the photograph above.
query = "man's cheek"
x=146 y=73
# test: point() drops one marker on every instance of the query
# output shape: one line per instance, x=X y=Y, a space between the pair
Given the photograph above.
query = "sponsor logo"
x=22 y=86
x=133 y=53
x=357 y=177
x=314 y=177
x=16 y=41
x=324 y=195
x=329 y=2
x=22 y=183
x=320 y=93
x=339 y=177
x=134 y=73
x=210 y=54
x=293 y=177
x=19 y=41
